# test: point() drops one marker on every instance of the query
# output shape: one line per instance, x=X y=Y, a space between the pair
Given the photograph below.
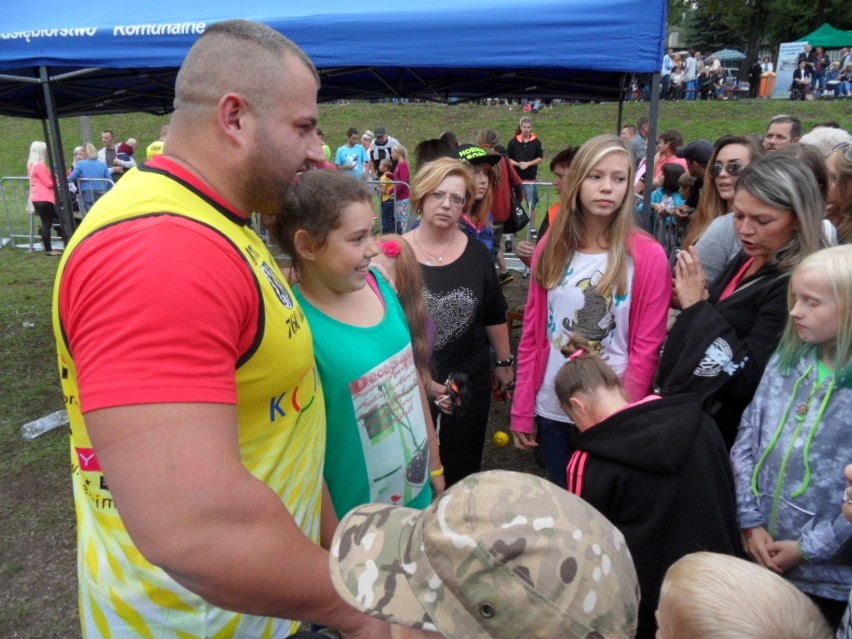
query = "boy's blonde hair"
x=713 y=596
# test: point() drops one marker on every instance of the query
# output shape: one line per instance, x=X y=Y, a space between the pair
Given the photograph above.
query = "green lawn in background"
x=563 y=125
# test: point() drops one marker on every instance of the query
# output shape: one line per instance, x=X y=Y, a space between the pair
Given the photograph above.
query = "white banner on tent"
x=788 y=56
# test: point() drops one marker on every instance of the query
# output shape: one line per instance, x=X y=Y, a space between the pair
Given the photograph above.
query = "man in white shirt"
x=666 y=74
x=382 y=146
x=109 y=156
x=783 y=130
x=690 y=77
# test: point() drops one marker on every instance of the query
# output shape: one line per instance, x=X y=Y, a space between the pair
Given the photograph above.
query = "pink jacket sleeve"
x=651 y=296
x=41 y=183
x=530 y=369
x=649 y=309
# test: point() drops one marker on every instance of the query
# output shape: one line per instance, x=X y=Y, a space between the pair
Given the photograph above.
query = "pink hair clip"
x=390 y=248
x=576 y=354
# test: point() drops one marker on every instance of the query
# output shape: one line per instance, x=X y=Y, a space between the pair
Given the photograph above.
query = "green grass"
x=558 y=127
x=29 y=381
x=36 y=513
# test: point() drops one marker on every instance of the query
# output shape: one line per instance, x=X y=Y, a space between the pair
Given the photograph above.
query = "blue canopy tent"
x=102 y=57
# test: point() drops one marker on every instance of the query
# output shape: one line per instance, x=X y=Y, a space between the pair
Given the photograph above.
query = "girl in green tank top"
x=381 y=444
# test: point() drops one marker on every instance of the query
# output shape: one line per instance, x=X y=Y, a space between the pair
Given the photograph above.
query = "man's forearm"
x=194 y=510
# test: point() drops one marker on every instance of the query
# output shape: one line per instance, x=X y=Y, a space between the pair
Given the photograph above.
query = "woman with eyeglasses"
x=466 y=303
x=728 y=329
x=839 y=209
x=711 y=228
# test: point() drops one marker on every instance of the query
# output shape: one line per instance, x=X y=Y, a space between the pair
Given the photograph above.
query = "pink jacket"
x=41 y=183
x=649 y=308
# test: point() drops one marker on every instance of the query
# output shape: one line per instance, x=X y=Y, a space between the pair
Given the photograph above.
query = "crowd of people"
x=817 y=76
x=93 y=172
x=259 y=452
x=690 y=75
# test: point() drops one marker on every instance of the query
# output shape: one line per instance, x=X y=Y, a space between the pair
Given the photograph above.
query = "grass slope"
x=38 y=597
x=558 y=127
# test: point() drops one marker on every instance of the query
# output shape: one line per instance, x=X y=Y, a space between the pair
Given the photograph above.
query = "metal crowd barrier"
x=99 y=187
x=19 y=229
x=401 y=215
x=547 y=197
x=19 y=226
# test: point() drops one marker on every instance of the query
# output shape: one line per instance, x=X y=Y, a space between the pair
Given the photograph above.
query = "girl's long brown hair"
x=409 y=290
x=481 y=208
x=711 y=205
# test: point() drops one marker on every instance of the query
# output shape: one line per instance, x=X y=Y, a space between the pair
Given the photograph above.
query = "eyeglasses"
x=455 y=200
x=846 y=147
x=731 y=168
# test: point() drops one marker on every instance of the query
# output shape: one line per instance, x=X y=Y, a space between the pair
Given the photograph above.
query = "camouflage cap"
x=500 y=554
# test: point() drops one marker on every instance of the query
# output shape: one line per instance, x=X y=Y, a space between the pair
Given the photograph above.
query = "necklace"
x=431 y=258
x=804 y=407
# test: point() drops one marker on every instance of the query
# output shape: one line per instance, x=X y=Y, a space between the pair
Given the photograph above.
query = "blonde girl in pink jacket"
x=43 y=194
x=594 y=273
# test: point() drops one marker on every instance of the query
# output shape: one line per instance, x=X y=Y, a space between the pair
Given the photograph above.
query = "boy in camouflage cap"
x=500 y=554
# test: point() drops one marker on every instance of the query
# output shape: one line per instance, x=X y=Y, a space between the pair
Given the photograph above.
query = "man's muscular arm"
x=194 y=510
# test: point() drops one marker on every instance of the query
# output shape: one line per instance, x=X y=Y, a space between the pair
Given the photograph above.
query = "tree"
x=771 y=22
x=706 y=32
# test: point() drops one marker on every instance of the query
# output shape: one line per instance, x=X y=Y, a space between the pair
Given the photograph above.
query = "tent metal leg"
x=54 y=144
x=654 y=117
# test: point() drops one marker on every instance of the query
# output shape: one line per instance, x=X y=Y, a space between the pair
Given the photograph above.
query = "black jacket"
x=719 y=349
x=660 y=472
x=521 y=151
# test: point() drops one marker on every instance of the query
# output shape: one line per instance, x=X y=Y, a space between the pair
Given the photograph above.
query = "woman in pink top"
x=597 y=275
x=667 y=154
x=401 y=175
x=43 y=195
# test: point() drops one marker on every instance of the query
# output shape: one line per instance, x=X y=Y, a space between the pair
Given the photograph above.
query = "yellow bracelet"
x=438 y=473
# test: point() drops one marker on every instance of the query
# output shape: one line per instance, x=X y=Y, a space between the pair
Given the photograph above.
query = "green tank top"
x=377 y=449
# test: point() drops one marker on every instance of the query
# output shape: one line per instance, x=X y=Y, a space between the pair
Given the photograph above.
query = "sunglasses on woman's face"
x=731 y=168
x=846 y=147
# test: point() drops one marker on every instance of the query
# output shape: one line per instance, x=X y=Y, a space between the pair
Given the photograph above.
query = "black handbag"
x=518 y=218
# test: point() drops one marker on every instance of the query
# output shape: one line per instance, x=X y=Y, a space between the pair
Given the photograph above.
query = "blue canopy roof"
x=102 y=56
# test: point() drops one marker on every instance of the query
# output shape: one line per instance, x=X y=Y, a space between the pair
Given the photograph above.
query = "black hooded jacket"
x=661 y=473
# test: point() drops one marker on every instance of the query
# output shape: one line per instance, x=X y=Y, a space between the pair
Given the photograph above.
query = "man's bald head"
x=235 y=56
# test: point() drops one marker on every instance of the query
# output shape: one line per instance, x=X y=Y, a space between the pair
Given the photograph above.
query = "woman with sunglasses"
x=839 y=209
x=711 y=228
x=728 y=329
x=466 y=303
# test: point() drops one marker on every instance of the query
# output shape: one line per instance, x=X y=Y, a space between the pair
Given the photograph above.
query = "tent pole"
x=620 y=114
x=66 y=215
x=653 y=116
x=622 y=93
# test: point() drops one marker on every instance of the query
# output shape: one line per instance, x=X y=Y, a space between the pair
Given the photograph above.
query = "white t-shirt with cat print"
x=574 y=306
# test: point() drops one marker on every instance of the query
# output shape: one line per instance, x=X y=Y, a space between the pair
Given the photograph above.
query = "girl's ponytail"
x=409 y=287
x=583 y=370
